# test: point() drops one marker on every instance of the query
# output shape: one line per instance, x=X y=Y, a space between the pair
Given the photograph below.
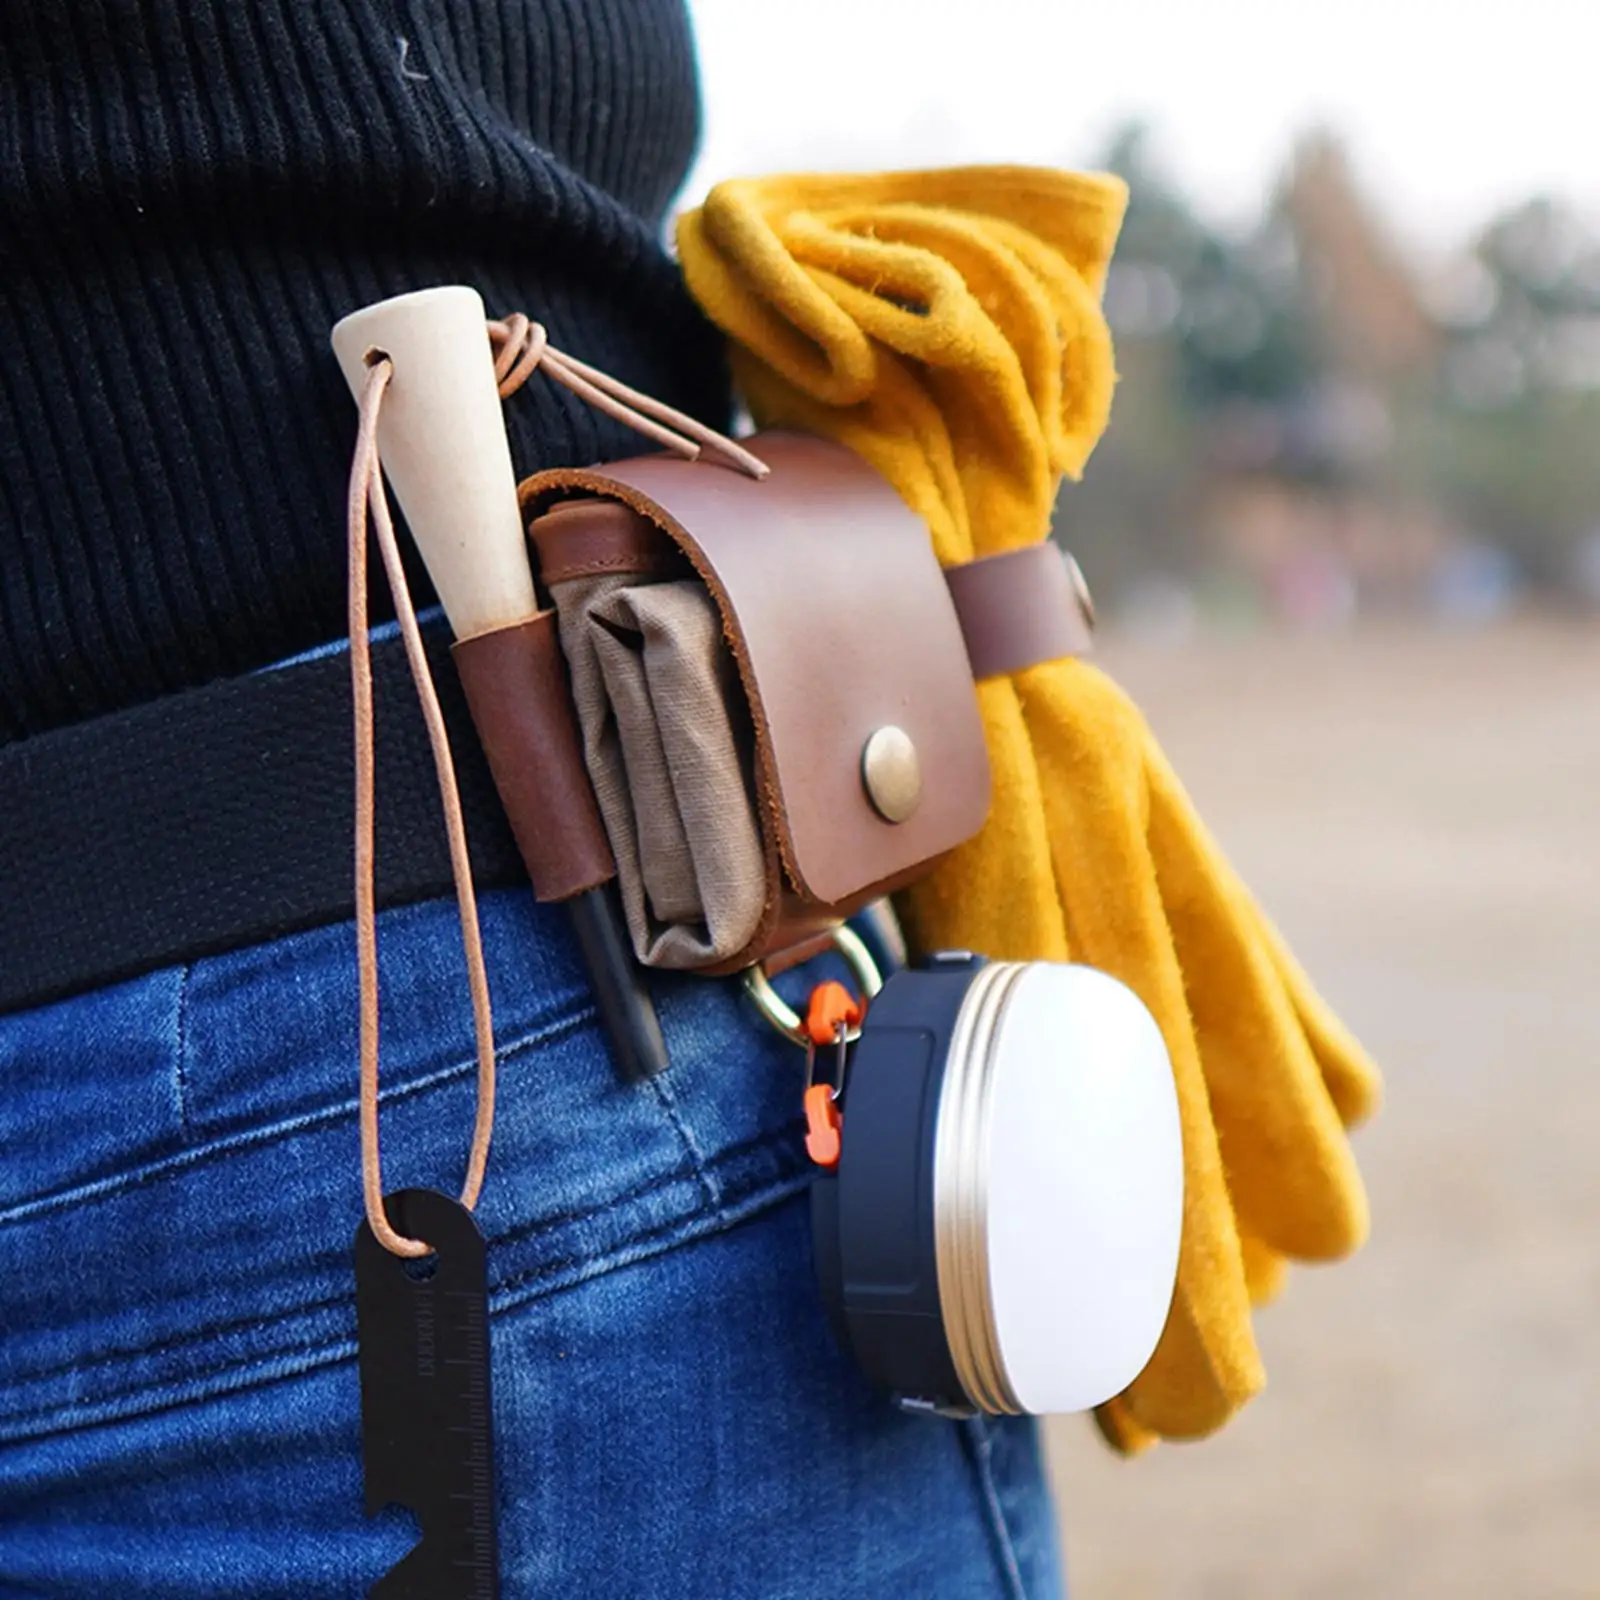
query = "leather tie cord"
x=522 y=348
x=367 y=493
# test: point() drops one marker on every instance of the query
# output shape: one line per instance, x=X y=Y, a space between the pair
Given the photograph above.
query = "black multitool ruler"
x=427 y=1437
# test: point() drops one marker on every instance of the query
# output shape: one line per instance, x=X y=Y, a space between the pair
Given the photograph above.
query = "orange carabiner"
x=832 y=1007
x=824 y=1127
x=832 y=1018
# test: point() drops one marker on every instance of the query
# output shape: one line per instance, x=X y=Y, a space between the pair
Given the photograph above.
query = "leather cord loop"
x=522 y=347
x=368 y=496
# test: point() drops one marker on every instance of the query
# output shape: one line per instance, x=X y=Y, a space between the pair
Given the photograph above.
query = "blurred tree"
x=1371 y=324
x=1218 y=363
x=1512 y=443
x=1237 y=306
x=1291 y=371
x=1132 y=514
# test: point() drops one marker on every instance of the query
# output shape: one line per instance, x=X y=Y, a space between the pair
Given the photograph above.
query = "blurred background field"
x=1345 y=536
x=1419 y=812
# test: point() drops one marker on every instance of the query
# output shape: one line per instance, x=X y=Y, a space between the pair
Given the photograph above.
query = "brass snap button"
x=891 y=773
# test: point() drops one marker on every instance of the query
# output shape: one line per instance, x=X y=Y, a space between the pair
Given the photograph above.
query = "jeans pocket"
x=179 y=1216
x=180 y=1224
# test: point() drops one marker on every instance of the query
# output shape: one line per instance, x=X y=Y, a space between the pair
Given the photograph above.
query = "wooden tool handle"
x=442 y=439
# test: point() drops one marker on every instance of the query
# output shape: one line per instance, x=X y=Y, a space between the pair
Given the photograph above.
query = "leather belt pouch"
x=734 y=646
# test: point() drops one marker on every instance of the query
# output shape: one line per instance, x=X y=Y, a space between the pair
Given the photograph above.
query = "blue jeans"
x=178 y=1395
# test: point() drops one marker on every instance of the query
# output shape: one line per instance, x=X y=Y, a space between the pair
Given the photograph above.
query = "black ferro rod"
x=627 y=1014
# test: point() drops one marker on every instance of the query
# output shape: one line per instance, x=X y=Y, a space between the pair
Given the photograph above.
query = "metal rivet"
x=891 y=772
x=1080 y=587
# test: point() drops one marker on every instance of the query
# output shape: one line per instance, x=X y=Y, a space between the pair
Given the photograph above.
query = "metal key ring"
x=782 y=1016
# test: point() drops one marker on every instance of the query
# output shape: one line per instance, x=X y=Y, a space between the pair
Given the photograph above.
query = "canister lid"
x=1058 y=1188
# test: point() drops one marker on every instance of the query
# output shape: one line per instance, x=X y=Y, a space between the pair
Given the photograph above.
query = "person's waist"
x=221 y=817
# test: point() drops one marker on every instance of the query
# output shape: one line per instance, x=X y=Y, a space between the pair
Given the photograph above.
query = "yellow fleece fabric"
x=947 y=327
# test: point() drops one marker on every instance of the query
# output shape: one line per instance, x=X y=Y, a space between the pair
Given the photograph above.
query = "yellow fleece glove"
x=947 y=327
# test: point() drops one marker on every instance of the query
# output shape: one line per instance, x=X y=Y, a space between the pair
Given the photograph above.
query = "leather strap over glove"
x=946 y=326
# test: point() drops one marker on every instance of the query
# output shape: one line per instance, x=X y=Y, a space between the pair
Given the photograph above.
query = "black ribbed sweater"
x=192 y=192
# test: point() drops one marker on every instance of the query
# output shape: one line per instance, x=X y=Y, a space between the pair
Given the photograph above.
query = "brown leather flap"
x=841 y=625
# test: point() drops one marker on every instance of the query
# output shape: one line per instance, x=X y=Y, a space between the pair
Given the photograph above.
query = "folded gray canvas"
x=657 y=696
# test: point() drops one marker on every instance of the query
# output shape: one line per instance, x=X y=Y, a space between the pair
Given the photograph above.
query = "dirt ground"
x=1421 y=813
